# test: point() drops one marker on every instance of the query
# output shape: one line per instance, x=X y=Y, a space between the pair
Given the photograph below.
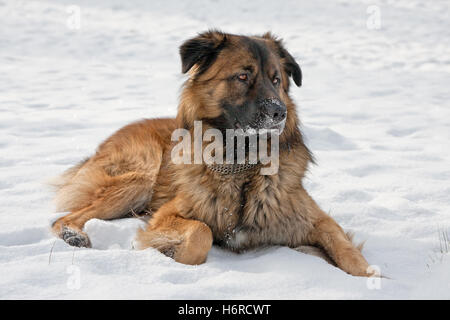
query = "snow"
x=375 y=107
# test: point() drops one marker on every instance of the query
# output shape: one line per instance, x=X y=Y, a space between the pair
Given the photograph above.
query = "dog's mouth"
x=279 y=126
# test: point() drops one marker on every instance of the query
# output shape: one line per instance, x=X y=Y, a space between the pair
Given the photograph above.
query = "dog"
x=234 y=82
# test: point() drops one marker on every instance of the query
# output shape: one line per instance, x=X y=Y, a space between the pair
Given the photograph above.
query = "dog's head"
x=237 y=82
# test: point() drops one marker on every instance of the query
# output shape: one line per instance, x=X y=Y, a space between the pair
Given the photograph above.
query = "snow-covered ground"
x=375 y=107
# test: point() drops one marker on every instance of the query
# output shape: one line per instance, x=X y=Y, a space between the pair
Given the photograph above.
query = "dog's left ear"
x=292 y=68
x=201 y=51
x=290 y=65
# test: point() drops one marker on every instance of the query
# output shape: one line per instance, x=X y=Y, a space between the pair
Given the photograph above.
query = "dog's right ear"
x=201 y=51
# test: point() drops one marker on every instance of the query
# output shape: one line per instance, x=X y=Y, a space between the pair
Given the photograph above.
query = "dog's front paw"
x=352 y=261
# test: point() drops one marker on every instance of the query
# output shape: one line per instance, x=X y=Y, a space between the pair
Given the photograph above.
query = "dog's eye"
x=243 y=77
x=276 y=81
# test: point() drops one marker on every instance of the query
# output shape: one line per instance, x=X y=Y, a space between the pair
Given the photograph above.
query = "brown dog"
x=234 y=82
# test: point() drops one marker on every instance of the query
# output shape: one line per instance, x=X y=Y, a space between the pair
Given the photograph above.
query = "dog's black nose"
x=274 y=109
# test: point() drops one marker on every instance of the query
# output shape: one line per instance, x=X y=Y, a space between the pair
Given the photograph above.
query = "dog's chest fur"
x=245 y=210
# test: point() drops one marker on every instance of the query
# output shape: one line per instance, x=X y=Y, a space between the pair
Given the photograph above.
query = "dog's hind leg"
x=118 y=196
x=116 y=181
x=185 y=240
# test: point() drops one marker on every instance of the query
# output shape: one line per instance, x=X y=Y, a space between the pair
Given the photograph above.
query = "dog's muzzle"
x=273 y=114
x=274 y=110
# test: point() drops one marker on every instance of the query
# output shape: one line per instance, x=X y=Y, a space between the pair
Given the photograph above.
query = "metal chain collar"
x=227 y=169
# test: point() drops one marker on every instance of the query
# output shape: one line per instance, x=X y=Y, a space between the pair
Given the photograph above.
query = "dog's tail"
x=61 y=182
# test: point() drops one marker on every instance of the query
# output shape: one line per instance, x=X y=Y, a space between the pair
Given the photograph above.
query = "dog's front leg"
x=327 y=234
x=330 y=236
x=185 y=240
